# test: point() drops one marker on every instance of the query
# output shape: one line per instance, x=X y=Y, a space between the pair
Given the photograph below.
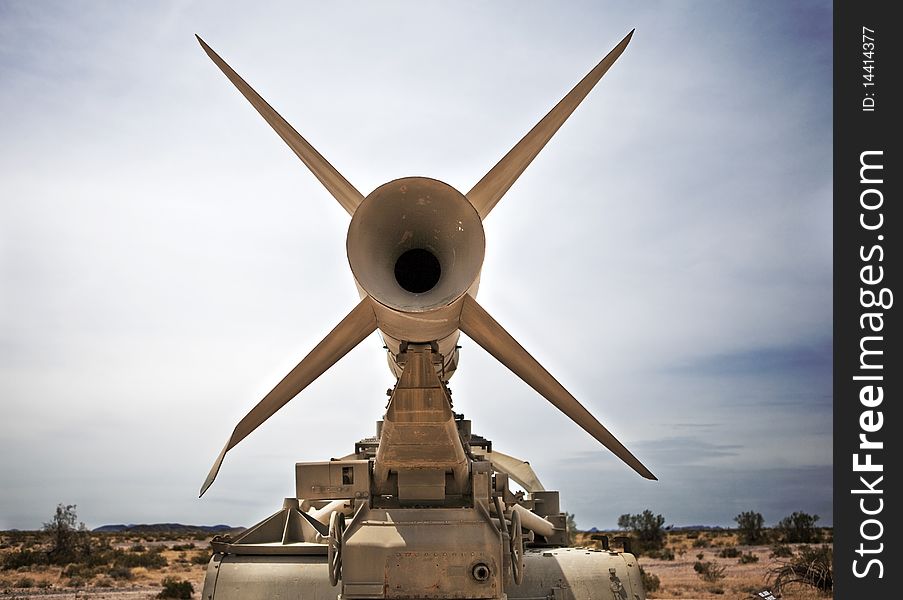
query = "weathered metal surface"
x=551 y=574
x=490 y=189
x=518 y=470
x=359 y=323
x=332 y=180
x=422 y=553
x=242 y=577
x=332 y=479
x=579 y=574
x=419 y=439
x=484 y=330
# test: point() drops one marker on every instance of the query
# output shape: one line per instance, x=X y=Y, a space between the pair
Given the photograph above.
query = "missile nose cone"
x=415 y=244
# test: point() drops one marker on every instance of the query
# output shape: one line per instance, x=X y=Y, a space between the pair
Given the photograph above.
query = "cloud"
x=164 y=259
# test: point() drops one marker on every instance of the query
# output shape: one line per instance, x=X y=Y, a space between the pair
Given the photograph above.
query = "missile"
x=415 y=246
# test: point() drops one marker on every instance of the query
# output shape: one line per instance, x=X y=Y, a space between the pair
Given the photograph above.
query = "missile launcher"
x=425 y=509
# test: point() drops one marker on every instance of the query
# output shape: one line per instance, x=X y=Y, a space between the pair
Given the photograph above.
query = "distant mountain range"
x=164 y=528
x=671 y=528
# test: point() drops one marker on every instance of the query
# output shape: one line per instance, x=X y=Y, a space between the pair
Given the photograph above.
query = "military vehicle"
x=425 y=509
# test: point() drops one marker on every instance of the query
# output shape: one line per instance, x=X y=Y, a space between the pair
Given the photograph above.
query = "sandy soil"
x=679 y=581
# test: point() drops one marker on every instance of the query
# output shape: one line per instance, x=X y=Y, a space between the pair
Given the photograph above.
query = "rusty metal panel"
x=270 y=577
x=332 y=479
x=446 y=574
x=579 y=574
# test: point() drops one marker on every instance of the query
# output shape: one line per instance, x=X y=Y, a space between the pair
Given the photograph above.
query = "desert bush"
x=70 y=540
x=181 y=547
x=663 y=554
x=729 y=553
x=120 y=572
x=150 y=560
x=781 y=551
x=24 y=582
x=137 y=547
x=750 y=527
x=813 y=567
x=646 y=528
x=82 y=571
x=700 y=556
x=709 y=571
x=748 y=558
x=176 y=588
x=101 y=558
x=651 y=582
x=203 y=557
x=799 y=527
x=24 y=558
x=104 y=582
x=701 y=542
x=571 y=525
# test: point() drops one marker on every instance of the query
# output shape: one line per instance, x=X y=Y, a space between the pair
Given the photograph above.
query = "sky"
x=165 y=259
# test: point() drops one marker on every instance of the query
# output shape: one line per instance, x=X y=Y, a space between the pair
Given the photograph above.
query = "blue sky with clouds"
x=165 y=259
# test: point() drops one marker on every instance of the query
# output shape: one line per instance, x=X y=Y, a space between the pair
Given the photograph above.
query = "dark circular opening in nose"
x=417 y=270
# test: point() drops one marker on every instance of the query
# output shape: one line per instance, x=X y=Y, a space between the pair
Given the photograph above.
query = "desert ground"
x=135 y=566
x=742 y=579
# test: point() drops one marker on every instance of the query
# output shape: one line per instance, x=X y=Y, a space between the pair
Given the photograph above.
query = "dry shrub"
x=709 y=571
x=729 y=553
x=813 y=567
x=121 y=573
x=781 y=551
x=180 y=547
x=152 y=559
x=651 y=582
x=176 y=588
x=23 y=558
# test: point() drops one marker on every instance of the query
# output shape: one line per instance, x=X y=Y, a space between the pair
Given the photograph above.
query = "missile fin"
x=356 y=326
x=518 y=470
x=347 y=195
x=485 y=331
x=490 y=189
